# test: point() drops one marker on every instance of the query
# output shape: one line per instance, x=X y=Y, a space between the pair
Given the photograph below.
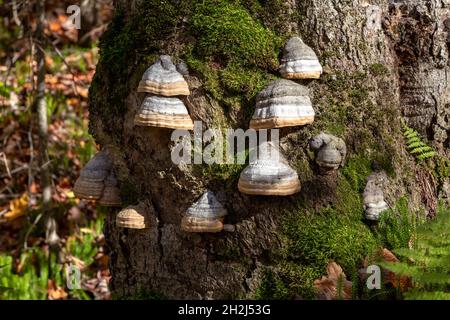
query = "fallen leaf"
x=54 y=292
x=335 y=285
x=390 y=277
x=17 y=208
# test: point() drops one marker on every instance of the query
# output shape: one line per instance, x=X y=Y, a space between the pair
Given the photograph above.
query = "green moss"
x=378 y=69
x=272 y=287
x=241 y=80
x=227 y=32
x=356 y=171
x=234 y=54
x=398 y=225
x=225 y=173
x=442 y=168
x=316 y=239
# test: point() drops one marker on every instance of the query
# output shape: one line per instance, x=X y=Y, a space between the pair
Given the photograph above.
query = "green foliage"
x=397 y=225
x=31 y=283
x=82 y=245
x=419 y=149
x=5 y=90
x=428 y=262
x=226 y=31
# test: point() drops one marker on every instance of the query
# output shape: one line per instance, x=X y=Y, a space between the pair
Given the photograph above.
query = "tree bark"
x=382 y=60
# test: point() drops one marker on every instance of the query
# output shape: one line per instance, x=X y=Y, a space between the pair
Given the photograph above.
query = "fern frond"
x=426 y=155
x=415 y=144
x=421 y=150
x=420 y=295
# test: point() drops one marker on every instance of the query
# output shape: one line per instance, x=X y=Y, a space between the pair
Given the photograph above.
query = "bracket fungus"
x=373 y=196
x=110 y=195
x=282 y=103
x=166 y=112
x=162 y=78
x=205 y=215
x=299 y=61
x=330 y=151
x=133 y=217
x=269 y=174
x=90 y=183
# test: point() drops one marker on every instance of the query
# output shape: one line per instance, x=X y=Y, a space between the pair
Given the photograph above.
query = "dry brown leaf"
x=328 y=286
x=388 y=256
x=390 y=277
x=54 y=292
x=17 y=208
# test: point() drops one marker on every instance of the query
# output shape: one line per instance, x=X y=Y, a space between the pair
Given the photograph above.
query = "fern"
x=428 y=262
x=419 y=149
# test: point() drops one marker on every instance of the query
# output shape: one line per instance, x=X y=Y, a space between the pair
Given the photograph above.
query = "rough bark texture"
x=382 y=60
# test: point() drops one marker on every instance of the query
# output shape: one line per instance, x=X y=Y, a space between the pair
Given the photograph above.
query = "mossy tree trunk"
x=382 y=62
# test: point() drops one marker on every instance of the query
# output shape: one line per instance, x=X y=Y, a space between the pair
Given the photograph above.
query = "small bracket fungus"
x=90 y=183
x=162 y=78
x=373 y=196
x=166 y=112
x=205 y=215
x=133 y=217
x=282 y=103
x=299 y=61
x=330 y=151
x=110 y=196
x=270 y=174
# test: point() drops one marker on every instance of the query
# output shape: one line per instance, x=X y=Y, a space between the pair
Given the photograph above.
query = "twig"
x=33 y=225
x=5 y=161
x=15 y=171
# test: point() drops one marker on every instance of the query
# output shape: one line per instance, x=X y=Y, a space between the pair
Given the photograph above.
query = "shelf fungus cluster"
x=162 y=107
x=330 y=151
x=205 y=215
x=97 y=181
x=373 y=196
x=133 y=217
x=299 y=61
x=282 y=103
x=269 y=174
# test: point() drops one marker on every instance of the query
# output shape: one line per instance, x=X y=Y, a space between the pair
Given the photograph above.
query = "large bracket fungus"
x=330 y=151
x=166 y=112
x=299 y=61
x=373 y=196
x=133 y=217
x=270 y=174
x=282 y=103
x=162 y=78
x=163 y=110
x=90 y=183
x=205 y=215
x=111 y=193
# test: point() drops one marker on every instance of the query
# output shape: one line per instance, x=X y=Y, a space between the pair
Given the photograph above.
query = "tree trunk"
x=383 y=61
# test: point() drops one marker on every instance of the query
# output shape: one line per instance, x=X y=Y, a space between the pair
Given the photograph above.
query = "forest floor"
x=28 y=268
